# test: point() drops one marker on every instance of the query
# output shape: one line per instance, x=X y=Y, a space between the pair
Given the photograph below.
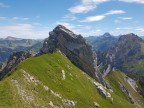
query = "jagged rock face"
x=141 y=82
x=74 y=47
x=14 y=59
x=126 y=92
x=126 y=50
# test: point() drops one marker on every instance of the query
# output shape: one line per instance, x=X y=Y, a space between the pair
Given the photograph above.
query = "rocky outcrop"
x=74 y=47
x=141 y=83
x=102 y=90
x=14 y=59
x=127 y=93
x=96 y=105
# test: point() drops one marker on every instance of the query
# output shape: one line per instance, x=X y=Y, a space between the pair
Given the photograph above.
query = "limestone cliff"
x=74 y=47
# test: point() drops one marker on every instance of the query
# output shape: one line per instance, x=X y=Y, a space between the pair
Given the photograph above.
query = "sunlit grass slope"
x=52 y=81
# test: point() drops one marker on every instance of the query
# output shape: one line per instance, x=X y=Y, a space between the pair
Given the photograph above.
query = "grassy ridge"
x=37 y=82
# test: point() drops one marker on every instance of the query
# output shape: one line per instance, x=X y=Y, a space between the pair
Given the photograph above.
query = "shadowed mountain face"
x=74 y=47
x=129 y=49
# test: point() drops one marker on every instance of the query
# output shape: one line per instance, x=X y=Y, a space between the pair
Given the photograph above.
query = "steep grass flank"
x=51 y=81
x=136 y=67
x=116 y=77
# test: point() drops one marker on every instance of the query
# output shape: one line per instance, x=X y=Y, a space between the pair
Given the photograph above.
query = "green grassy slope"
x=134 y=60
x=117 y=77
x=52 y=80
x=136 y=67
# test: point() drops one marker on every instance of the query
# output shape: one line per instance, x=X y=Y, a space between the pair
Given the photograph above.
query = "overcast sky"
x=35 y=18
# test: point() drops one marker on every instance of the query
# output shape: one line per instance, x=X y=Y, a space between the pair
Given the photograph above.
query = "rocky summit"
x=74 y=47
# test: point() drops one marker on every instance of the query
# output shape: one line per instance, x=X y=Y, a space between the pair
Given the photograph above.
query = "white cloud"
x=94 y=18
x=133 y=1
x=14 y=18
x=79 y=25
x=37 y=24
x=124 y=28
x=101 y=17
x=112 y=12
x=93 y=1
x=3 y=18
x=82 y=8
x=37 y=17
x=98 y=30
x=86 y=6
x=2 y=5
x=125 y=18
x=117 y=21
x=118 y=28
x=19 y=18
x=86 y=27
x=25 y=18
x=140 y=29
x=24 y=31
x=120 y=19
x=93 y=32
x=69 y=17
x=17 y=27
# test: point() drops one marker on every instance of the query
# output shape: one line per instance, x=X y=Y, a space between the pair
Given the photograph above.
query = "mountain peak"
x=60 y=26
x=107 y=34
x=63 y=29
x=130 y=36
x=12 y=38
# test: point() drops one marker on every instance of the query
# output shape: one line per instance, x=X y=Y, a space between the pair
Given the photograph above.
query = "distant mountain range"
x=103 y=42
x=12 y=38
x=126 y=52
x=11 y=44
